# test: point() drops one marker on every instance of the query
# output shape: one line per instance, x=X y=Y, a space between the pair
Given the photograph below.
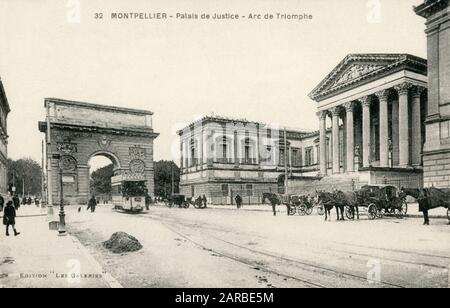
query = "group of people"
x=202 y=201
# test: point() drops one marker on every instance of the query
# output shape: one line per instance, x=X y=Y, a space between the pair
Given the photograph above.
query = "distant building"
x=4 y=111
x=222 y=157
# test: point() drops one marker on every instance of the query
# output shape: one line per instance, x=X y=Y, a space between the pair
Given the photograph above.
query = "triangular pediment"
x=358 y=68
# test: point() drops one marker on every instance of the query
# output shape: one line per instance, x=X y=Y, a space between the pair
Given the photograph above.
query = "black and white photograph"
x=224 y=149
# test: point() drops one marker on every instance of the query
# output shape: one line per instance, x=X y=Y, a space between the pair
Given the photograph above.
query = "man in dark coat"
x=9 y=218
x=238 y=201
x=424 y=206
x=92 y=204
x=16 y=202
x=205 y=201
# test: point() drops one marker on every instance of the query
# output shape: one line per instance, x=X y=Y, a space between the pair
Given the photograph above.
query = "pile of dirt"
x=121 y=242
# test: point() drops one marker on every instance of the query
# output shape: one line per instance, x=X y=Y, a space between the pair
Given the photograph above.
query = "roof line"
x=95 y=106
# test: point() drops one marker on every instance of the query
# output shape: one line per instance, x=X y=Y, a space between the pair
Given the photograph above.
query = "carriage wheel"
x=320 y=210
x=380 y=212
x=309 y=210
x=292 y=210
x=349 y=213
x=301 y=210
x=372 y=211
x=404 y=208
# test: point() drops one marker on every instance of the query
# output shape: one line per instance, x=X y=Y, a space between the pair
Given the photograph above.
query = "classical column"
x=336 y=159
x=403 y=118
x=323 y=142
x=236 y=149
x=416 y=127
x=201 y=149
x=395 y=134
x=366 y=102
x=384 y=127
x=350 y=134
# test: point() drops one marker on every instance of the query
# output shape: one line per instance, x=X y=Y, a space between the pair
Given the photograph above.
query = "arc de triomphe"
x=79 y=131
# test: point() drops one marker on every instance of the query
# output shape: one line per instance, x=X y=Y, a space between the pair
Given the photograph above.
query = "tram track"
x=310 y=269
x=359 y=254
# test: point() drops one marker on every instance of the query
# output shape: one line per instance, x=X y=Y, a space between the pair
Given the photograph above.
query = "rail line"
x=303 y=265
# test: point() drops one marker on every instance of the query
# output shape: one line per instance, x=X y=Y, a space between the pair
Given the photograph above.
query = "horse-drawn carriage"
x=301 y=204
x=181 y=201
x=296 y=204
x=378 y=200
x=381 y=200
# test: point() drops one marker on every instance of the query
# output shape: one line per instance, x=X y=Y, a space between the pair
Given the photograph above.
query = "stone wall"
x=437 y=169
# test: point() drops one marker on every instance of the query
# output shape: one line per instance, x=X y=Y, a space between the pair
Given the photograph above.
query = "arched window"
x=223 y=152
x=248 y=155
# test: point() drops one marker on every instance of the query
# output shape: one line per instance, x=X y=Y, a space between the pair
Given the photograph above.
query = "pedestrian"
x=205 y=201
x=2 y=203
x=238 y=201
x=9 y=218
x=424 y=206
x=148 y=200
x=16 y=202
x=92 y=204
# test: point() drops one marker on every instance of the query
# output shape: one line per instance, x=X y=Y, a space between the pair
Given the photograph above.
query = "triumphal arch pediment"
x=79 y=131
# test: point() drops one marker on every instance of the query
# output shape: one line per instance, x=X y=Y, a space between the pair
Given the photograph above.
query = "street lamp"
x=62 y=215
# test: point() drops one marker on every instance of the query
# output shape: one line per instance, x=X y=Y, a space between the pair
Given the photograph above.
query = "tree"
x=28 y=172
x=163 y=177
x=101 y=180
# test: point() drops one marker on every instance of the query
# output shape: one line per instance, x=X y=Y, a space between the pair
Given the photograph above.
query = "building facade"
x=77 y=131
x=223 y=157
x=380 y=101
x=4 y=111
x=436 y=155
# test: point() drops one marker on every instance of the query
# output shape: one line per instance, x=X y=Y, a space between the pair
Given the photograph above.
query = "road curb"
x=109 y=279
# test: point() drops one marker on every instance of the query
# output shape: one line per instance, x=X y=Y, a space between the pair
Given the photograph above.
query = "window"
x=225 y=190
x=223 y=151
x=249 y=190
x=309 y=156
x=248 y=155
x=296 y=157
x=445 y=130
x=317 y=154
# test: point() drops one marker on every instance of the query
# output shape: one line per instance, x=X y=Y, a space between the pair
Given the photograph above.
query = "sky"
x=181 y=70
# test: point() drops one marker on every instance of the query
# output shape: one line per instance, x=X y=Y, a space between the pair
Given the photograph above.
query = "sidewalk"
x=29 y=211
x=38 y=258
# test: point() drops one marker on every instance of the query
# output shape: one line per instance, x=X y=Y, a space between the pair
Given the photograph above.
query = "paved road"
x=234 y=248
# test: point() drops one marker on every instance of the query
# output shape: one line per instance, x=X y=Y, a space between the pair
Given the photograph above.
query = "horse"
x=329 y=200
x=349 y=199
x=273 y=199
x=428 y=199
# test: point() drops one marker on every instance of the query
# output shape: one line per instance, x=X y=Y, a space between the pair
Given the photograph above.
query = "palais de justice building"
x=383 y=119
x=371 y=112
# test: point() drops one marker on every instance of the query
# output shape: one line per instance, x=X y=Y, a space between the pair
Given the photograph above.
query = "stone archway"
x=79 y=131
